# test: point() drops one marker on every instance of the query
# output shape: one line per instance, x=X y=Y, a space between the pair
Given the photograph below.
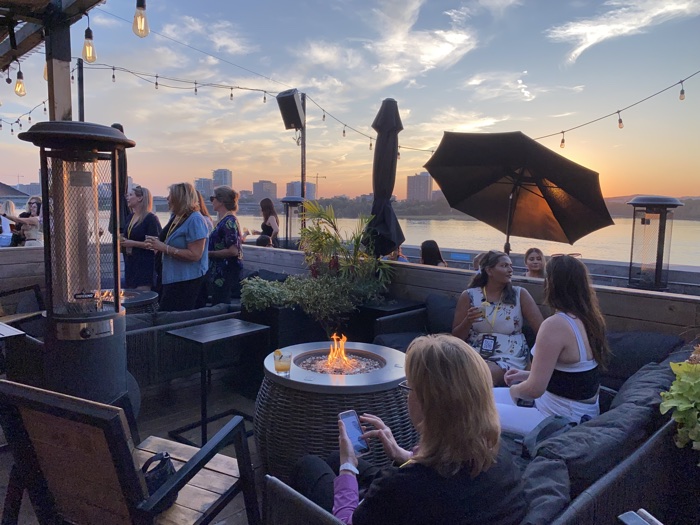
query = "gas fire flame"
x=336 y=354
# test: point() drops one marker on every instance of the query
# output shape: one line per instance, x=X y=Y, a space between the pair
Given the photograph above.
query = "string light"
x=343 y=131
x=682 y=95
x=562 y=144
x=72 y=78
x=19 y=86
x=114 y=78
x=44 y=107
x=88 y=47
x=29 y=118
x=323 y=118
x=140 y=25
x=620 y=124
x=156 y=81
x=231 y=95
x=264 y=97
x=370 y=144
x=12 y=130
x=398 y=153
x=195 y=87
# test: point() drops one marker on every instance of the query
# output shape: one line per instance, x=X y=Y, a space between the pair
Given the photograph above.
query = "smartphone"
x=353 y=429
x=529 y=403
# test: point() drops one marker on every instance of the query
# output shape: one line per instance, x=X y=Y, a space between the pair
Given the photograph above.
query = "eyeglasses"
x=575 y=255
x=34 y=203
x=403 y=385
x=212 y=198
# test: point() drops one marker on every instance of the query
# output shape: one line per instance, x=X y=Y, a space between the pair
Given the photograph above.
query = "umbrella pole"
x=506 y=246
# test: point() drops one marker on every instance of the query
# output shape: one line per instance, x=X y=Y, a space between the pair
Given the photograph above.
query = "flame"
x=336 y=354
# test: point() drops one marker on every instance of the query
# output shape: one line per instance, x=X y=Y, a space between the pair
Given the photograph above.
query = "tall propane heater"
x=85 y=342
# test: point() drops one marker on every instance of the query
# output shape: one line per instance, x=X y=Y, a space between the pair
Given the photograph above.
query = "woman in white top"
x=570 y=349
x=7 y=207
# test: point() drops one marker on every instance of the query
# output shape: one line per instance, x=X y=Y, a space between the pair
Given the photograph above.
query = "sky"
x=472 y=66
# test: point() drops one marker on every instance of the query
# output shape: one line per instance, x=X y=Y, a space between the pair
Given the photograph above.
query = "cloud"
x=502 y=85
x=499 y=7
x=620 y=18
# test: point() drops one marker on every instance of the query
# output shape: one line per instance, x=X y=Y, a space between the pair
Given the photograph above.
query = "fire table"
x=298 y=415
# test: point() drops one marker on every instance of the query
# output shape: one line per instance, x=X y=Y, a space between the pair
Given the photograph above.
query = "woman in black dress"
x=139 y=261
x=270 y=225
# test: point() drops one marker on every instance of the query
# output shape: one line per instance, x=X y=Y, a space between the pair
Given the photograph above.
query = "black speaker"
x=290 y=107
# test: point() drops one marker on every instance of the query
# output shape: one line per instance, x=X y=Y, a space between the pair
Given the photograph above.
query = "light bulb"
x=19 y=86
x=370 y=144
x=89 y=49
x=114 y=79
x=682 y=95
x=562 y=144
x=140 y=25
x=343 y=131
x=46 y=72
x=620 y=124
x=156 y=81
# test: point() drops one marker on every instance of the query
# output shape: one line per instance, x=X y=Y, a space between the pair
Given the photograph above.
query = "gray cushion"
x=138 y=321
x=441 y=313
x=163 y=318
x=645 y=386
x=632 y=350
x=546 y=490
x=397 y=341
x=593 y=448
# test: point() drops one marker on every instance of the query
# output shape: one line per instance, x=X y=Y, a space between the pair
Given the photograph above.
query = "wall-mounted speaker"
x=290 y=107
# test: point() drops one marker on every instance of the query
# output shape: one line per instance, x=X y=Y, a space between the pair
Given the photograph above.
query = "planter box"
x=287 y=326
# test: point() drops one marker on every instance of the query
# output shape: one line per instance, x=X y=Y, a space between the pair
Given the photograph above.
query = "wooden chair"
x=79 y=464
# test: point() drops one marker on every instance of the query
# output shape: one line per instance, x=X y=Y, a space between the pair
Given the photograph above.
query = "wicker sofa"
x=623 y=460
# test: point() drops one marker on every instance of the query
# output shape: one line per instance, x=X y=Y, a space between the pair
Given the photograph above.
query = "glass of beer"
x=283 y=362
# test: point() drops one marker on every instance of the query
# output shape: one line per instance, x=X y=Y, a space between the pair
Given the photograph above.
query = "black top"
x=140 y=263
x=578 y=386
x=416 y=494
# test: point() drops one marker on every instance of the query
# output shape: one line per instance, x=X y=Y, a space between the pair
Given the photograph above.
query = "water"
x=610 y=244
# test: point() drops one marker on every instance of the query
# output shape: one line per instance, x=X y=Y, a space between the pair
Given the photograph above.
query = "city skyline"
x=479 y=66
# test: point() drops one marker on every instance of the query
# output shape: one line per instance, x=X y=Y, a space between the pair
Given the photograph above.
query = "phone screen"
x=354 y=431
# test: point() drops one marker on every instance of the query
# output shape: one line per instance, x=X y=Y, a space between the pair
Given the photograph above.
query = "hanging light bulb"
x=682 y=95
x=0 y=125
x=195 y=87
x=231 y=95
x=370 y=144
x=88 y=48
x=29 y=118
x=323 y=118
x=20 y=124
x=140 y=25
x=19 y=86
x=398 y=153
x=46 y=72
x=114 y=79
x=343 y=131
x=156 y=81
x=44 y=107
x=72 y=78
x=620 y=124
x=12 y=130
x=264 y=97
x=562 y=144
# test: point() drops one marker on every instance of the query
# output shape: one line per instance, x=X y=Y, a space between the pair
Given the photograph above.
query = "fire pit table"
x=298 y=415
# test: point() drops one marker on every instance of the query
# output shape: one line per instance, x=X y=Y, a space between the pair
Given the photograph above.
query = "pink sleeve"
x=346 y=497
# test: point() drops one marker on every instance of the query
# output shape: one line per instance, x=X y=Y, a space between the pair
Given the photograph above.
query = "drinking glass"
x=283 y=362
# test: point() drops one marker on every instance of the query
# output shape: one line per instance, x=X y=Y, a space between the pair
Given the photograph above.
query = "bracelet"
x=167 y=250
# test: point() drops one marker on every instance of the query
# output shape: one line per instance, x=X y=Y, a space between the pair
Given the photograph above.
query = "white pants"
x=515 y=419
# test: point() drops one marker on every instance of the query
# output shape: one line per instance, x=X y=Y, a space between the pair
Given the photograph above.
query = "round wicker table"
x=298 y=415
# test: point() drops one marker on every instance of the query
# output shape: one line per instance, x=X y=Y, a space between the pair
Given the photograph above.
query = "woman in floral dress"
x=225 y=253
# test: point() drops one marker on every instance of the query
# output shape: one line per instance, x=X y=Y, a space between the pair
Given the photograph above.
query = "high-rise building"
x=33 y=188
x=222 y=177
x=264 y=189
x=205 y=187
x=294 y=190
x=419 y=187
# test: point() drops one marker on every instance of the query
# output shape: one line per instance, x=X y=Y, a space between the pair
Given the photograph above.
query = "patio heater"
x=292 y=220
x=652 y=226
x=84 y=350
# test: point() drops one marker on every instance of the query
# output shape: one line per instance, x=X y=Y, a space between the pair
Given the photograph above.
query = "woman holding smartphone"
x=457 y=473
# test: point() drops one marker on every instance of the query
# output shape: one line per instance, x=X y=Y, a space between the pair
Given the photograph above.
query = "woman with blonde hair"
x=535 y=263
x=6 y=208
x=139 y=261
x=31 y=225
x=458 y=473
x=182 y=243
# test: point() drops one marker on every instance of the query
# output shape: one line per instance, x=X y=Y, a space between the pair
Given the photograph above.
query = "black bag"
x=157 y=476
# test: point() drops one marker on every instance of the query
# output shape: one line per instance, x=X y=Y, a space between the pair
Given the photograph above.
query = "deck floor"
x=168 y=406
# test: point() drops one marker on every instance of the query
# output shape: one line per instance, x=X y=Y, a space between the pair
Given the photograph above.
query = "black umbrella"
x=122 y=176
x=518 y=186
x=384 y=227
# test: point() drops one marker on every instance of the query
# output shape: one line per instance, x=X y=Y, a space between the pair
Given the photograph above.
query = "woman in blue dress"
x=224 y=246
x=139 y=261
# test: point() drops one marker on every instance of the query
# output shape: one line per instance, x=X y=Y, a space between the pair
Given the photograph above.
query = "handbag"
x=157 y=476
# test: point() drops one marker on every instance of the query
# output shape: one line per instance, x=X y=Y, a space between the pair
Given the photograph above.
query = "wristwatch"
x=350 y=467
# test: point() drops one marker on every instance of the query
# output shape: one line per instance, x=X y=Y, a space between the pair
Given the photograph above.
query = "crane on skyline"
x=318 y=177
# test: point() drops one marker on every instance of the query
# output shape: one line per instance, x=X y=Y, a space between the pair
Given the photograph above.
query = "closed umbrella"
x=384 y=227
x=518 y=186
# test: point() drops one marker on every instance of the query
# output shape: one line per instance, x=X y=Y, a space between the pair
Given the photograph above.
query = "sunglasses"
x=575 y=255
x=212 y=198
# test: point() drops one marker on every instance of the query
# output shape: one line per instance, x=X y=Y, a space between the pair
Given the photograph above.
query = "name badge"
x=488 y=345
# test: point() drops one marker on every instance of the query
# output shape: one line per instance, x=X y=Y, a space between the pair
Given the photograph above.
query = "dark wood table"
x=204 y=337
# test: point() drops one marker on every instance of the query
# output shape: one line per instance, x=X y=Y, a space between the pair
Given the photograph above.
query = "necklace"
x=173 y=226
x=132 y=223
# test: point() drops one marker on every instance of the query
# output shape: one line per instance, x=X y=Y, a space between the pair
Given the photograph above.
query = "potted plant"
x=684 y=398
x=344 y=273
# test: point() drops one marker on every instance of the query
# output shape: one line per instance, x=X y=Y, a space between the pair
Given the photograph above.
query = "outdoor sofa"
x=623 y=460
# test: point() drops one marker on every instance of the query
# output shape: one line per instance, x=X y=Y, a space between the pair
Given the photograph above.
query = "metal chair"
x=78 y=462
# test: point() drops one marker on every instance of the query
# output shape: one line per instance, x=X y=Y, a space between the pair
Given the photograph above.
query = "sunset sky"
x=479 y=66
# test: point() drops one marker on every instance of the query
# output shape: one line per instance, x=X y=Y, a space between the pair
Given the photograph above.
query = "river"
x=610 y=244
